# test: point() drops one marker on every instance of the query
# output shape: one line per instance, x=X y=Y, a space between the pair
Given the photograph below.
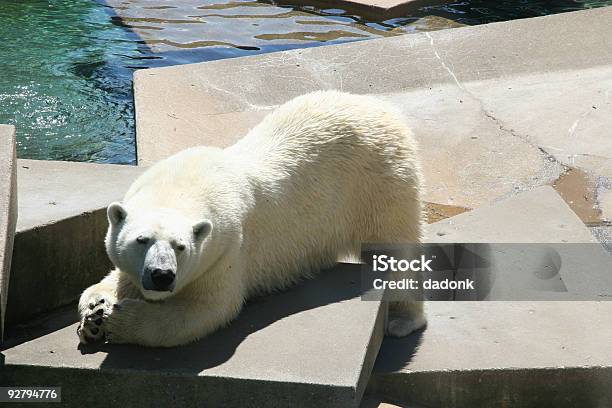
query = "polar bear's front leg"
x=96 y=303
x=165 y=324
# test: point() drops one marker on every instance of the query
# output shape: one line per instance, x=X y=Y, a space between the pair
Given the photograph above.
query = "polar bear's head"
x=159 y=249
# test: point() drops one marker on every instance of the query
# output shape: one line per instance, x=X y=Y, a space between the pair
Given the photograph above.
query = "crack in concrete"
x=485 y=112
x=524 y=138
x=572 y=130
x=442 y=62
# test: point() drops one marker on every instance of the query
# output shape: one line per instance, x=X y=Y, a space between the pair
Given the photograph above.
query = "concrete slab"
x=527 y=353
x=487 y=354
x=536 y=216
x=59 y=247
x=525 y=237
x=312 y=346
x=8 y=212
x=451 y=88
x=58 y=190
x=576 y=134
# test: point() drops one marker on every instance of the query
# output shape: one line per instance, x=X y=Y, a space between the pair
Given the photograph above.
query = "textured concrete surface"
x=8 y=211
x=523 y=354
x=480 y=99
x=525 y=238
x=300 y=348
x=536 y=216
x=59 y=247
x=487 y=354
x=59 y=190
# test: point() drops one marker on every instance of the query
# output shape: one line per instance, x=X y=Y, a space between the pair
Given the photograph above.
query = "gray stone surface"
x=58 y=190
x=530 y=353
x=59 y=247
x=484 y=354
x=8 y=212
x=523 y=238
x=536 y=216
x=451 y=84
x=312 y=346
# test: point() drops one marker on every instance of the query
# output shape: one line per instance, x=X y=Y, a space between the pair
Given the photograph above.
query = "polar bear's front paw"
x=401 y=327
x=92 y=327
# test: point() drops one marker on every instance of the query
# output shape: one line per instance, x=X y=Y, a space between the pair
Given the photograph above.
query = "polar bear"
x=202 y=231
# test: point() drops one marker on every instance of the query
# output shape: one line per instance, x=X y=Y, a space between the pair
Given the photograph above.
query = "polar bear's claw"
x=92 y=327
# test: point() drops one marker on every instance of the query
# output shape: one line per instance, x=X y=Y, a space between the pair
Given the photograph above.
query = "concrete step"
x=8 y=211
x=312 y=346
x=491 y=354
x=535 y=216
x=518 y=354
x=60 y=231
x=536 y=248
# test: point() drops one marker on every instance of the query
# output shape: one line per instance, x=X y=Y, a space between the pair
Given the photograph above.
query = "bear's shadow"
x=341 y=283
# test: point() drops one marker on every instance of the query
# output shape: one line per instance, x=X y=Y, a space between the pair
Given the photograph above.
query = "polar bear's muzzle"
x=159 y=269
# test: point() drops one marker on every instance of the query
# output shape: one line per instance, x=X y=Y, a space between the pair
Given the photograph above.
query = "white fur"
x=316 y=178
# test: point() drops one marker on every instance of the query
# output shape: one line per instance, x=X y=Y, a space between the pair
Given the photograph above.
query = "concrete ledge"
x=59 y=245
x=469 y=93
x=8 y=212
x=312 y=346
x=569 y=387
x=200 y=101
x=481 y=354
x=536 y=216
x=521 y=354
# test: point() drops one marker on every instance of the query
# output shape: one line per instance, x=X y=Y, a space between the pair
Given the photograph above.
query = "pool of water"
x=66 y=66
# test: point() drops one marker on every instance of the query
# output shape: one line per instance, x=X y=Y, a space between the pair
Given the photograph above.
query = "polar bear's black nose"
x=162 y=278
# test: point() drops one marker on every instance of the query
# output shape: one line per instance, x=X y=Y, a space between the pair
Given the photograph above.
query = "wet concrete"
x=578 y=189
x=191 y=25
x=437 y=212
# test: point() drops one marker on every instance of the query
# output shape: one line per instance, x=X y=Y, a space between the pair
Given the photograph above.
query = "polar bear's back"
x=333 y=123
x=331 y=170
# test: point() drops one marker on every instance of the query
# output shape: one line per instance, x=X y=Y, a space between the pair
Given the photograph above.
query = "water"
x=65 y=81
x=66 y=66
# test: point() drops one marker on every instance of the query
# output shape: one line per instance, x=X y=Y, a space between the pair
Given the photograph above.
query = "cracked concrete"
x=497 y=109
x=450 y=71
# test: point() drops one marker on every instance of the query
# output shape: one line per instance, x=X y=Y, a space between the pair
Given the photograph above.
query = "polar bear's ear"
x=201 y=229
x=116 y=213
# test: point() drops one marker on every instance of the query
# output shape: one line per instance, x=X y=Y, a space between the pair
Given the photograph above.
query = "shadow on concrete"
x=40 y=326
x=396 y=353
x=335 y=285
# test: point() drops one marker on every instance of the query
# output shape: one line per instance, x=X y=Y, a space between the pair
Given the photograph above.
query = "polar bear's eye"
x=142 y=239
x=180 y=247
